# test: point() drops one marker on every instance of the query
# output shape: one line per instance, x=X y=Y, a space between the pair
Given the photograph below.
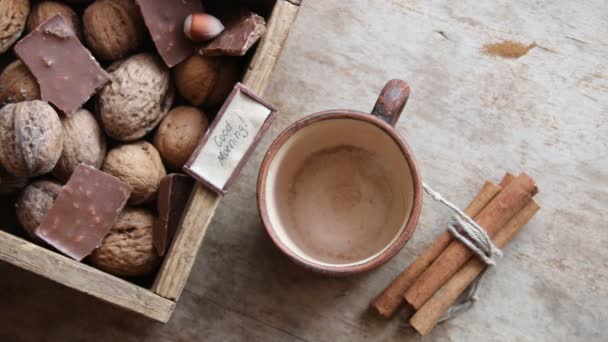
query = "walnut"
x=137 y=99
x=13 y=15
x=10 y=184
x=206 y=80
x=113 y=28
x=84 y=142
x=45 y=10
x=178 y=135
x=31 y=138
x=139 y=165
x=18 y=84
x=34 y=202
x=128 y=250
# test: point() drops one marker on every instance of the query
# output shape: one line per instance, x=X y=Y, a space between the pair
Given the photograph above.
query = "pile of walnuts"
x=142 y=125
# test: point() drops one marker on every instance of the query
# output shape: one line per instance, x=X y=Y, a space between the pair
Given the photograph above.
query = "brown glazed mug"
x=339 y=191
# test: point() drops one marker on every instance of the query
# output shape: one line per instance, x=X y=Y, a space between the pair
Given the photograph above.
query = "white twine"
x=472 y=235
x=477 y=240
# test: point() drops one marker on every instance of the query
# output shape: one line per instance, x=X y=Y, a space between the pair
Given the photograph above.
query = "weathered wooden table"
x=470 y=117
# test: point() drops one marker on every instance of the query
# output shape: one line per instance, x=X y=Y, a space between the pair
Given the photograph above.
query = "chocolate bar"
x=84 y=212
x=172 y=197
x=65 y=70
x=165 y=21
x=242 y=29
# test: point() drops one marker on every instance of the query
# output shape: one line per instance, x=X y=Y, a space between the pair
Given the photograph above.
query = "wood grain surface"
x=470 y=117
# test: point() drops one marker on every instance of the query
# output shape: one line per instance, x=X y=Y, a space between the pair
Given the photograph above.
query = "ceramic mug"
x=339 y=191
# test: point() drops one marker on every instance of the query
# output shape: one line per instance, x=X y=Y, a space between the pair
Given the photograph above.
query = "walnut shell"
x=139 y=165
x=31 y=138
x=84 y=142
x=137 y=99
x=178 y=135
x=13 y=15
x=206 y=80
x=18 y=84
x=10 y=184
x=128 y=249
x=113 y=29
x=34 y=202
x=45 y=10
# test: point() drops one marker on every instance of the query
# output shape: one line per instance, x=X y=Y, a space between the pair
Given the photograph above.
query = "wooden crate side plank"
x=179 y=259
x=267 y=54
x=84 y=278
x=203 y=202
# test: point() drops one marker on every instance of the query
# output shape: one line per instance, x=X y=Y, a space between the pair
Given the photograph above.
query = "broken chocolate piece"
x=242 y=30
x=84 y=212
x=65 y=70
x=172 y=198
x=165 y=21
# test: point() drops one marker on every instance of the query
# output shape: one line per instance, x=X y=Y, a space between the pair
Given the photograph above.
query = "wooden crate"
x=158 y=302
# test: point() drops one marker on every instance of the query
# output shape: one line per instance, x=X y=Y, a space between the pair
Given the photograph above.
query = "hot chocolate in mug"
x=339 y=191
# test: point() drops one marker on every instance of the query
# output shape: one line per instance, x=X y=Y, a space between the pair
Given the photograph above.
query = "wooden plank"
x=178 y=262
x=84 y=278
x=470 y=116
x=179 y=259
x=269 y=50
x=339 y=55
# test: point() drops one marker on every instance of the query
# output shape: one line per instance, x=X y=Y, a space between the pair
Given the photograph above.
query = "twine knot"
x=467 y=231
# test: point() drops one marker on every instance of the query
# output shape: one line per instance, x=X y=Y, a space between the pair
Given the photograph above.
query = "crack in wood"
x=577 y=40
x=443 y=34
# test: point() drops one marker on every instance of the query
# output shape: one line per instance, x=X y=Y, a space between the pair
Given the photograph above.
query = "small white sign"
x=230 y=139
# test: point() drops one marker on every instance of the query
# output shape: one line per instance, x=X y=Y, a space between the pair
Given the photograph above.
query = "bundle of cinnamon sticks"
x=433 y=282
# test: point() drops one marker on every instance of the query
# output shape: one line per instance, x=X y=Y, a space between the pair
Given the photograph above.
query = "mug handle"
x=391 y=101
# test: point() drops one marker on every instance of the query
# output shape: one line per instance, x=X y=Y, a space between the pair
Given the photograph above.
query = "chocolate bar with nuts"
x=165 y=21
x=65 y=70
x=84 y=212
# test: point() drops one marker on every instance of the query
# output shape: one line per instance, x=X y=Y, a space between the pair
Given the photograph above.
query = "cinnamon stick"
x=429 y=314
x=506 y=180
x=387 y=303
x=495 y=215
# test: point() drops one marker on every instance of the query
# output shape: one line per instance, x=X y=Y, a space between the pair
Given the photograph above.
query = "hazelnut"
x=10 y=184
x=34 y=202
x=31 y=138
x=201 y=27
x=178 y=135
x=138 y=97
x=83 y=142
x=45 y=10
x=206 y=80
x=18 y=84
x=139 y=165
x=128 y=249
x=13 y=15
x=113 y=28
